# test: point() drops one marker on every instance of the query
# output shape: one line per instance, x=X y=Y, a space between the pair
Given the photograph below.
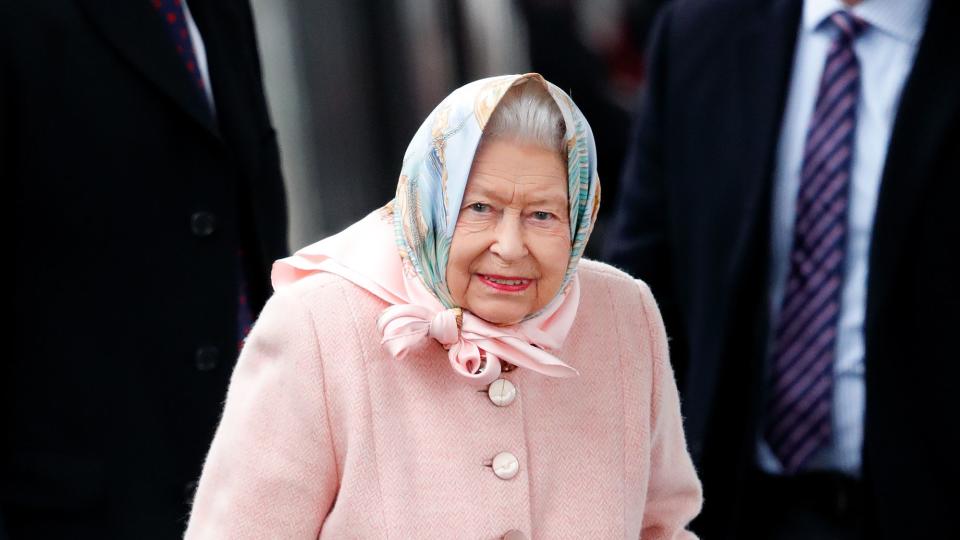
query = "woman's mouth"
x=505 y=283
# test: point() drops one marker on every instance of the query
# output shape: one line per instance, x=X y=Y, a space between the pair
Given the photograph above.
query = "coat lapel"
x=138 y=35
x=928 y=109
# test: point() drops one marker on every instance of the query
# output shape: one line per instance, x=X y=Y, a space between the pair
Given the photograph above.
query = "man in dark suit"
x=149 y=206
x=791 y=197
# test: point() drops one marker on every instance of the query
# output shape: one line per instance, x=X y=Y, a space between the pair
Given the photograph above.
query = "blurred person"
x=791 y=199
x=476 y=378
x=594 y=71
x=147 y=190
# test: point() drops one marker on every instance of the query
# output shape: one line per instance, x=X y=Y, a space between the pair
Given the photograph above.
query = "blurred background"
x=348 y=83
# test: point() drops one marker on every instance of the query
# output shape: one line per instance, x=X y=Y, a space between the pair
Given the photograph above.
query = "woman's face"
x=511 y=246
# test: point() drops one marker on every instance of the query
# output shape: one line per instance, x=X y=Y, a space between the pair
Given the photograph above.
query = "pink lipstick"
x=505 y=283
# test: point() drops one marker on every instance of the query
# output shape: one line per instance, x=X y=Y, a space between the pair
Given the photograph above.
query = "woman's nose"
x=508 y=243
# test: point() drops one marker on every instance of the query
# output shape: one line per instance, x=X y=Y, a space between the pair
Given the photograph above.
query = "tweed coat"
x=326 y=435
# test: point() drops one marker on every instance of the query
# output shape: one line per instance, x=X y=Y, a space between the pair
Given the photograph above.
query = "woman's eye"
x=542 y=216
x=480 y=207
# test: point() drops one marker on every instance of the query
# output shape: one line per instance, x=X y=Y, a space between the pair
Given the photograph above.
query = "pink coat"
x=326 y=435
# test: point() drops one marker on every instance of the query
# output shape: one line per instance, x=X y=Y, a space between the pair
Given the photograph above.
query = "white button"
x=514 y=534
x=502 y=392
x=505 y=465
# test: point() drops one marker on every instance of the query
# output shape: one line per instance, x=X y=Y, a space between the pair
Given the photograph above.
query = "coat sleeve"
x=271 y=471
x=674 y=494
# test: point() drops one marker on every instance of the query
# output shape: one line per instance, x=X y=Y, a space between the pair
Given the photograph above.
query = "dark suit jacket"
x=693 y=220
x=131 y=203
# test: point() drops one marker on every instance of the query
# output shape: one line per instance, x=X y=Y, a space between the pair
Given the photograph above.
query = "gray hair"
x=527 y=113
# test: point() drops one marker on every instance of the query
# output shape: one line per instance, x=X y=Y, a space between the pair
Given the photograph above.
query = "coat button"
x=505 y=465
x=203 y=223
x=514 y=534
x=206 y=358
x=502 y=392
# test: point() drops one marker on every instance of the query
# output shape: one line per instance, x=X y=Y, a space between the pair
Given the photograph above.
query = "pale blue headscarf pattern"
x=437 y=164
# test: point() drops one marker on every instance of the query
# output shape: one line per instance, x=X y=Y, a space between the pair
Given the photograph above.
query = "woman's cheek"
x=475 y=223
x=552 y=246
x=551 y=229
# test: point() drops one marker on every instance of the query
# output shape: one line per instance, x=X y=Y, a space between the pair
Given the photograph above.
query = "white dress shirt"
x=886 y=50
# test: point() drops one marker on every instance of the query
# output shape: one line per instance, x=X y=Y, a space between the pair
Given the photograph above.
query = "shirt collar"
x=902 y=19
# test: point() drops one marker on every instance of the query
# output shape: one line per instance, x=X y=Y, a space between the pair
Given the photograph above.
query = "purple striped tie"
x=801 y=391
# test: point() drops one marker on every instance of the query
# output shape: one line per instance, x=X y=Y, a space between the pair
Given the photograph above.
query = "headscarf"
x=400 y=252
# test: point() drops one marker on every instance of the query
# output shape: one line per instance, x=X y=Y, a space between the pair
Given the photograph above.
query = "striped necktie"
x=804 y=346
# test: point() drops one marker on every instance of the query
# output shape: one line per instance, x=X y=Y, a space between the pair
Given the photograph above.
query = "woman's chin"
x=501 y=313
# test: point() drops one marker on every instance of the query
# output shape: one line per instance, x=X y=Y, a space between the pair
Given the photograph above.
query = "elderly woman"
x=449 y=367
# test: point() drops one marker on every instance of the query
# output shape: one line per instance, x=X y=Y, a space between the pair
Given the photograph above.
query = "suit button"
x=505 y=465
x=206 y=358
x=514 y=535
x=203 y=223
x=502 y=392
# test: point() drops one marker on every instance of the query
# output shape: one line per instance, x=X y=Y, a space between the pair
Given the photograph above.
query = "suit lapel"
x=219 y=22
x=928 y=108
x=138 y=35
x=762 y=73
x=760 y=64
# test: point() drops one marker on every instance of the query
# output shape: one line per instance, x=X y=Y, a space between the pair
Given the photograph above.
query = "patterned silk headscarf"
x=399 y=253
x=437 y=164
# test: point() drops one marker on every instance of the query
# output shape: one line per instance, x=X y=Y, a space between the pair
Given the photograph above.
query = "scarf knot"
x=445 y=327
x=407 y=327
